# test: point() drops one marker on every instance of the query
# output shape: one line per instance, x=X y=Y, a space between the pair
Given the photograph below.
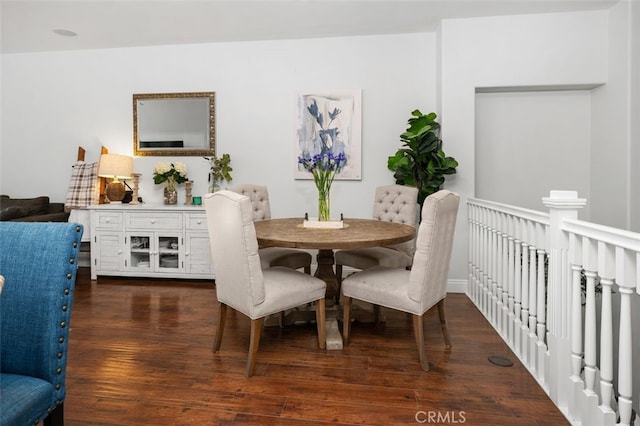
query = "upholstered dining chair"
x=241 y=282
x=393 y=203
x=39 y=264
x=417 y=290
x=272 y=256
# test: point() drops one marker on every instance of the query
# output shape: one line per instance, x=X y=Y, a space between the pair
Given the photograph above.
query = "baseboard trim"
x=457 y=286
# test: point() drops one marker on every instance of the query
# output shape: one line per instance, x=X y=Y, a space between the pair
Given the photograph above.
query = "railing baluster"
x=627 y=270
x=533 y=306
x=540 y=317
x=510 y=288
x=590 y=320
x=473 y=225
x=470 y=252
x=517 y=305
x=606 y=268
x=575 y=309
x=477 y=255
x=524 y=313
x=576 y=334
x=499 y=281
x=505 y=285
x=485 y=277
x=589 y=250
x=493 y=283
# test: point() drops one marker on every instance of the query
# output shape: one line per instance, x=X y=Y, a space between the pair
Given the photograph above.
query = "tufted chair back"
x=39 y=265
x=399 y=204
x=428 y=278
x=272 y=256
x=259 y=196
x=239 y=280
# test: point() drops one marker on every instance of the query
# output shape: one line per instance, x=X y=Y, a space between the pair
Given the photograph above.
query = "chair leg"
x=376 y=314
x=346 y=319
x=339 y=276
x=256 y=331
x=56 y=418
x=321 y=322
x=443 y=323
x=222 y=318
x=418 y=332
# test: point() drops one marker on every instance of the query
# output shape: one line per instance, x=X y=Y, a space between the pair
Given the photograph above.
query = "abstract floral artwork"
x=329 y=123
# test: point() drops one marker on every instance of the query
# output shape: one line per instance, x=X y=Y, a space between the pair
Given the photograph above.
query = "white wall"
x=610 y=147
x=563 y=49
x=54 y=102
x=529 y=143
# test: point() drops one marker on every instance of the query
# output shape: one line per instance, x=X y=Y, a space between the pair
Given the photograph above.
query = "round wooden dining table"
x=356 y=233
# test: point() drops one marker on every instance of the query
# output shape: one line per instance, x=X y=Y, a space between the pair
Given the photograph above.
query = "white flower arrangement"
x=171 y=172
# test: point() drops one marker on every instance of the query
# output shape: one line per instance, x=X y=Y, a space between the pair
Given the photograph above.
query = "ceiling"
x=27 y=25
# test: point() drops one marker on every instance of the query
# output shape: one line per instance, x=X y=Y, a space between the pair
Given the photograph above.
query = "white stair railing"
x=562 y=293
x=500 y=234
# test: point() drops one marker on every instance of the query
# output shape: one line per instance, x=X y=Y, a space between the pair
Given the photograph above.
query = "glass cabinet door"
x=169 y=249
x=140 y=252
x=155 y=252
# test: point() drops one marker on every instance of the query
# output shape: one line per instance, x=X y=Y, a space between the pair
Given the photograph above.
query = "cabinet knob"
x=199 y=222
x=108 y=220
x=153 y=221
x=186 y=254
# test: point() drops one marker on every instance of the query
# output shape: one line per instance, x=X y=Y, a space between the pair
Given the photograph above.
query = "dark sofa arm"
x=52 y=217
x=56 y=208
x=37 y=209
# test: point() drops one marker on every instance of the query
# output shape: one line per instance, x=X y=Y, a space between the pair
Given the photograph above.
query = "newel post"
x=562 y=205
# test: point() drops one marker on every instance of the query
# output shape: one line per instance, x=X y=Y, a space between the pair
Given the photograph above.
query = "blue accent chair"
x=39 y=264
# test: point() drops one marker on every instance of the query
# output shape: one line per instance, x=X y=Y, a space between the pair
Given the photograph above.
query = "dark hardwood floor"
x=140 y=354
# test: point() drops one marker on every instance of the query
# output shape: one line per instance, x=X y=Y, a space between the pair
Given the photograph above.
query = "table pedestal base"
x=334 y=337
x=360 y=311
x=326 y=273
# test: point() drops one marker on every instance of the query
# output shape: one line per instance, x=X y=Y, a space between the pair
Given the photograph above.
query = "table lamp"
x=115 y=166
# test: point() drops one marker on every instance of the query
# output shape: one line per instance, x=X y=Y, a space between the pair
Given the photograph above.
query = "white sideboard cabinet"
x=150 y=241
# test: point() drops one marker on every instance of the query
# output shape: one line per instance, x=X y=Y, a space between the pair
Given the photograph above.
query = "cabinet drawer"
x=196 y=221
x=151 y=220
x=108 y=220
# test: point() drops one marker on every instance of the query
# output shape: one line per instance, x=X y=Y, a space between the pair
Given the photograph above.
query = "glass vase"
x=214 y=185
x=324 y=205
x=170 y=193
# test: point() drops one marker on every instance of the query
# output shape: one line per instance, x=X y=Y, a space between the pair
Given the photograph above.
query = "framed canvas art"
x=329 y=122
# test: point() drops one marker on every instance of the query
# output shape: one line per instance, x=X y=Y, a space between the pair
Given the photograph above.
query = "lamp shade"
x=115 y=166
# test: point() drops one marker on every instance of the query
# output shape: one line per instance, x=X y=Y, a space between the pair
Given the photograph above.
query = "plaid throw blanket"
x=84 y=188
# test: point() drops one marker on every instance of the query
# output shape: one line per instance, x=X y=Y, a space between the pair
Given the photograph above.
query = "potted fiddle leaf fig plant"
x=421 y=162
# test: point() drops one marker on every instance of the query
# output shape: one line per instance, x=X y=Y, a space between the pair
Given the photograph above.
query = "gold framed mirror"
x=178 y=124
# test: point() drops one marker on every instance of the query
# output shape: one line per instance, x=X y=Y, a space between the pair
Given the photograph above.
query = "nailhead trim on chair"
x=63 y=324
